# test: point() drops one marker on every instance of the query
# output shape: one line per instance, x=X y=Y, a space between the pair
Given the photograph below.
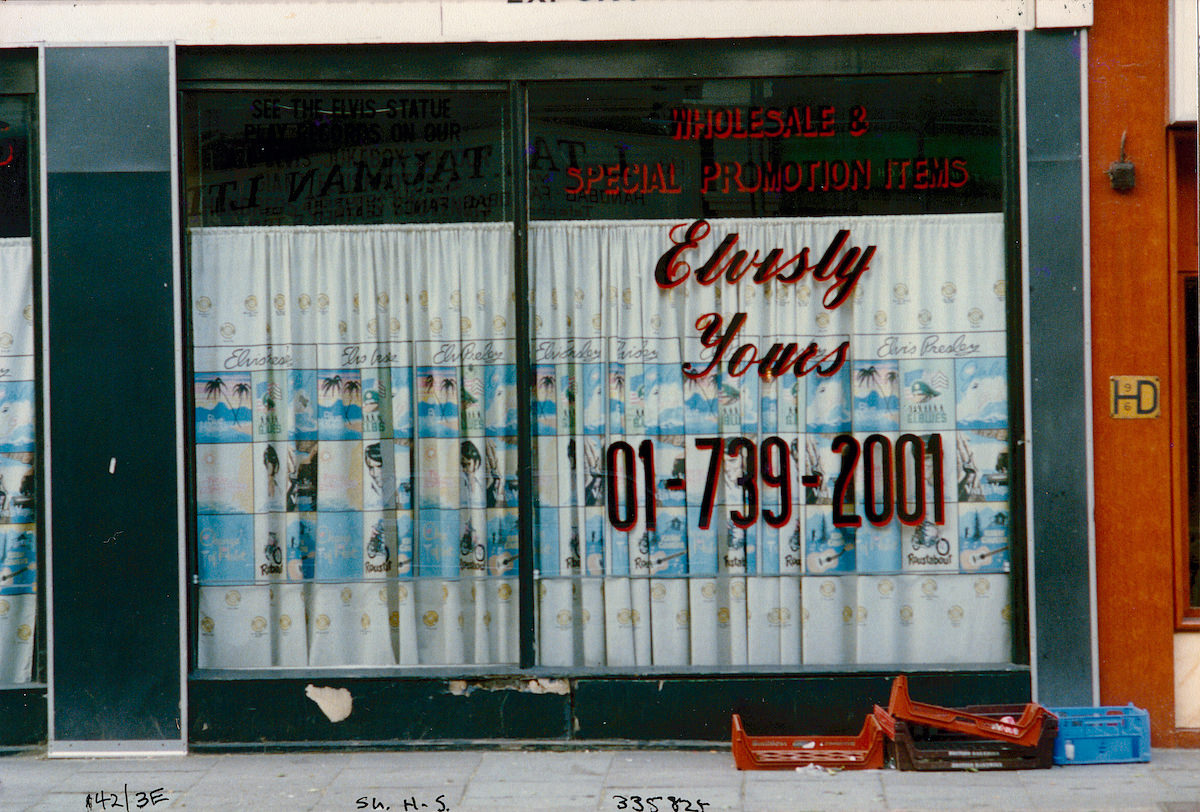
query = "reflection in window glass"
x=771 y=402
x=354 y=379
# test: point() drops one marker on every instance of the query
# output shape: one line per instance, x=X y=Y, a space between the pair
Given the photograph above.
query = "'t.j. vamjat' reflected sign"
x=306 y=158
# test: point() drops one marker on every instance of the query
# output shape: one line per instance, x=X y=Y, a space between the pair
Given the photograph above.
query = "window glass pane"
x=340 y=157
x=18 y=400
x=771 y=403
x=353 y=324
x=766 y=147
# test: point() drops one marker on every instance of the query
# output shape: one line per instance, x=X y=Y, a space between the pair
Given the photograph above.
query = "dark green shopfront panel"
x=1058 y=360
x=113 y=435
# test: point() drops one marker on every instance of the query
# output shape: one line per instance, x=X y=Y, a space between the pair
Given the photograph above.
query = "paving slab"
x=592 y=780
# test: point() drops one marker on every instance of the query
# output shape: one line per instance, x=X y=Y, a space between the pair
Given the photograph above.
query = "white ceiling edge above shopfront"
x=1063 y=13
x=233 y=22
x=1185 y=61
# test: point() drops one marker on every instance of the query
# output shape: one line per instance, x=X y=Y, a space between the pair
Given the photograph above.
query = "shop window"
x=18 y=399
x=770 y=374
x=353 y=318
x=771 y=410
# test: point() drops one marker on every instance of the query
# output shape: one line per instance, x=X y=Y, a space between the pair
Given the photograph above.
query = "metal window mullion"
x=526 y=608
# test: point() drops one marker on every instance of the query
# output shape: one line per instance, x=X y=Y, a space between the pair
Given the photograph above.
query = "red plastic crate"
x=924 y=747
x=934 y=749
x=1025 y=730
x=886 y=722
x=861 y=752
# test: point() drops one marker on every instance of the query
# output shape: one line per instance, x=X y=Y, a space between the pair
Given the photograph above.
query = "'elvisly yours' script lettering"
x=841 y=266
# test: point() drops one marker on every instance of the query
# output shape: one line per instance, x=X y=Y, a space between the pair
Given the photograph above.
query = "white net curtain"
x=18 y=529
x=356 y=459
x=690 y=519
x=356 y=445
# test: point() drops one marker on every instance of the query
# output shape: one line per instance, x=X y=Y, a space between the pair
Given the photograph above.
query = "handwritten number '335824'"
x=638 y=803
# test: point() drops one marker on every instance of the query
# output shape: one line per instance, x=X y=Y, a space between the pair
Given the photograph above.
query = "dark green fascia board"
x=642 y=59
x=18 y=70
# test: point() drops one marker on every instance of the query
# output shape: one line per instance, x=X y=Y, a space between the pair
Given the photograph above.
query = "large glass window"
x=354 y=380
x=771 y=360
x=768 y=353
x=18 y=399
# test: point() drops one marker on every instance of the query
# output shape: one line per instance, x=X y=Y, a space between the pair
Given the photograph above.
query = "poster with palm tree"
x=339 y=404
x=876 y=387
x=223 y=407
x=437 y=401
x=545 y=400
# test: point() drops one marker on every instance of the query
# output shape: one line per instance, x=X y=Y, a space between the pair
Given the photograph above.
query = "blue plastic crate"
x=1105 y=735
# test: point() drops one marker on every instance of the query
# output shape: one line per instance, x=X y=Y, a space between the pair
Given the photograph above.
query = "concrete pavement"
x=595 y=780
